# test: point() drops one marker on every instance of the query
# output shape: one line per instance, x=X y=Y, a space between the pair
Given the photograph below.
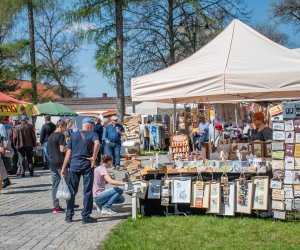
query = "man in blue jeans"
x=82 y=152
x=113 y=134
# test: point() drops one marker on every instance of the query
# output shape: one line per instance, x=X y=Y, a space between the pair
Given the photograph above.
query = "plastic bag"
x=63 y=191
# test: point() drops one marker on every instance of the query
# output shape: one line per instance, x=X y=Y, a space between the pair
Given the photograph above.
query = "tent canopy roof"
x=239 y=64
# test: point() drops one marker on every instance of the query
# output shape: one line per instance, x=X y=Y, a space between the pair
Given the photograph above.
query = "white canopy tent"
x=240 y=64
x=152 y=108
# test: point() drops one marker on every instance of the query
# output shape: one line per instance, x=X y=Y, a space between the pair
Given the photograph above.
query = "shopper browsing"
x=104 y=199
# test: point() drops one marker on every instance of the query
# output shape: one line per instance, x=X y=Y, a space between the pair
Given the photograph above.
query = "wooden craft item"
x=268 y=149
x=277 y=194
x=275 y=110
x=277 y=205
x=224 y=188
x=258 y=149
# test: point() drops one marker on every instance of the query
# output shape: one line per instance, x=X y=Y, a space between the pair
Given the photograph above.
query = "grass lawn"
x=204 y=232
x=152 y=152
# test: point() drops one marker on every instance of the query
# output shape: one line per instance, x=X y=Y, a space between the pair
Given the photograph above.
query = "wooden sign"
x=275 y=110
x=277 y=146
x=289 y=125
x=278 y=126
x=278 y=164
x=278 y=155
x=278 y=136
x=277 y=194
x=279 y=215
x=277 y=205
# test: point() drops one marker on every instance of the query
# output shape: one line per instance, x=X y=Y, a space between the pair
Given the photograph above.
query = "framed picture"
x=289 y=150
x=289 y=137
x=181 y=189
x=297 y=190
x=277 y=165
x=228 y=209
x=261 y=193
x=278 y=126
x=277 y=145
x=279 y=155
x=297 y=164
x=289 y=125
x=297 y=204
x=289 y=163
x=297 y=138
x=154 y=189
x=275 y=110
x=278 y=136
x=277 y=205
x=197 y=194
x=276 y=184
x=244 y=204
x=297 y=151
x=288 y=177
x=278 y=117
x=258 y=148
x=278 y=174
x=206 y=194
x=268 y=149
x=296 y=177
x=288 y=191
x=279 y=215
x=215 y=198
x=297 y=126
x=278 y=194
x=288 y=203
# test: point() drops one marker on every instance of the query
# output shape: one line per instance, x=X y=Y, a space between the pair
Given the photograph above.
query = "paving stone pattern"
x=27 y=221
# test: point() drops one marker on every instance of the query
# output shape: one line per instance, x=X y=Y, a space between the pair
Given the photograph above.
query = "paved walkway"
x=27 y=222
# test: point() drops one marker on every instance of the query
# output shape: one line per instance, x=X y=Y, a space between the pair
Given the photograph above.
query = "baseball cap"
x=114 y=118
x=15 y=118
x=88 y=120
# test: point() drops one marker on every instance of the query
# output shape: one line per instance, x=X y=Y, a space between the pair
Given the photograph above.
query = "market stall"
x=10 y=106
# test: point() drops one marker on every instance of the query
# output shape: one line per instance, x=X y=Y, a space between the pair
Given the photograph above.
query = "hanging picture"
x=277 y=165
x=288 y=204
x=297 y=138
x=206 y=195
x=277 y=146
x=288 y=177
x=279 y=215
x=278 y=136
x=297 y=126
x=278 y=126
x=258 y=149
x=289 y=150
x=289 y=163
x=297 y=190
x=261 y=193
x=228 y=208
x=297 y=151
x=288 y=191
x=215 y=198
x=297 y=204
x=278 y=194
x=277 y=117
x=289 y=137
x=244 y=197
x=279 y=155
x=278 y=174
x=297 y=163
x=275 y=110
x=181 y=190
x=276 y=184
x=268 y=149
x=289 y=125
x=296 y=177
x=197 y=194
x=277 y=205
x=154 y=189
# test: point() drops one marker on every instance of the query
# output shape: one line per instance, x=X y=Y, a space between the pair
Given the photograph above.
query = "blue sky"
x=95 y=83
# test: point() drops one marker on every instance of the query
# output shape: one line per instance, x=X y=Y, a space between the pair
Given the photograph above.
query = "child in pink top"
x=104 y=199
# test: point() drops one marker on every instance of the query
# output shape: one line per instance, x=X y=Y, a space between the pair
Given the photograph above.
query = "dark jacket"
x=24 y=135
x=99 y=130
x=47 y=129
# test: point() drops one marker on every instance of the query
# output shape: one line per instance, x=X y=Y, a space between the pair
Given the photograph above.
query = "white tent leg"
x=134 y=206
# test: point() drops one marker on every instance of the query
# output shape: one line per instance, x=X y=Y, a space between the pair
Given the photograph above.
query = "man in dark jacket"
x=47 y=129
x=24 y=140
x=98 y=129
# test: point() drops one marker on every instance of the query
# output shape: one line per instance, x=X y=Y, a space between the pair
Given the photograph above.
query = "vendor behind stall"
x=262 y=132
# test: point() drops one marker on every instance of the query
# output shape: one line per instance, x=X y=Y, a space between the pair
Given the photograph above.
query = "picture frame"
x=278 y=126
x=297 y=151
x=261 y=193
x=206 y=195
x=279 y=215
x=278 y=194
x=277 y=165
x=279 y=155
x=288 y=204
x=289 y=125
x=289 y=163
x=277 y=205
x=288 y=191
x=268 y=149
x=296 y=177
x=296 y=204
x=278 y=136
x=247 y=208
x=278 y=117
x=229 y=208
x=197 y=194
x=181 y=189
x=289 y=150
x=215 y=198
x=290 y=137
x=297 y=137
x=275 y=184
x=297 y=126
x=288 y=177
x=278 y=174
x=154 y=189
x=258 y=148
x=297 y=191
x=277 y=146
x=297 y=164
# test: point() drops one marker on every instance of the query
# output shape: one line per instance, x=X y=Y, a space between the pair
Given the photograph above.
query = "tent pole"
x=174 y=118
x=133 y=107
x=236 y=117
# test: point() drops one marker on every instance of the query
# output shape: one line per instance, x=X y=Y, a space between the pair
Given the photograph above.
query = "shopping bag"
x=63 y=191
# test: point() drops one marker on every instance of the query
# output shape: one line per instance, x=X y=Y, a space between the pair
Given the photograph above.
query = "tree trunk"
x=32 y=50
x=171 y=31
x=119 y=61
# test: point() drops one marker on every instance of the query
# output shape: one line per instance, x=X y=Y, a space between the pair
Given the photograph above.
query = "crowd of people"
x=68 y=153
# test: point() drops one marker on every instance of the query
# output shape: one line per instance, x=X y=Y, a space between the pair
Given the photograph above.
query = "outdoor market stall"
x=10 y=106
x=238 y=65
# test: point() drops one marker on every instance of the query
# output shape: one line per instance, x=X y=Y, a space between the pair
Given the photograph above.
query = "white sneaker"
x=97 y=207
x=108 y=211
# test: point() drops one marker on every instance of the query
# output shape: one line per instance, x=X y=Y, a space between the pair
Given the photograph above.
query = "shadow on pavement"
x=25 y=191
x=38 y=211
x=30 y=186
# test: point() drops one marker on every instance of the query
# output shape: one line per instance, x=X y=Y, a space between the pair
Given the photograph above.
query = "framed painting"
x=276 y=184
x=268 y=149
x=244 y=197
x=278 y=194
x=277 y=205
x=215 y=198
x=297 y=191
x=277 y=145
x=288 y=191
x=277 y=165
x=197 y=194
x=288 y=204
x=206 y=195
x=258 y=148
x=228 y=208
x=261 y=193
x=296 y=177
x=289 y=125
x=297 y=164
x=181 y=189
x=290 y=137
x=278 y=126
x=154 y=189
x=289 y=163
x=278 y=136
